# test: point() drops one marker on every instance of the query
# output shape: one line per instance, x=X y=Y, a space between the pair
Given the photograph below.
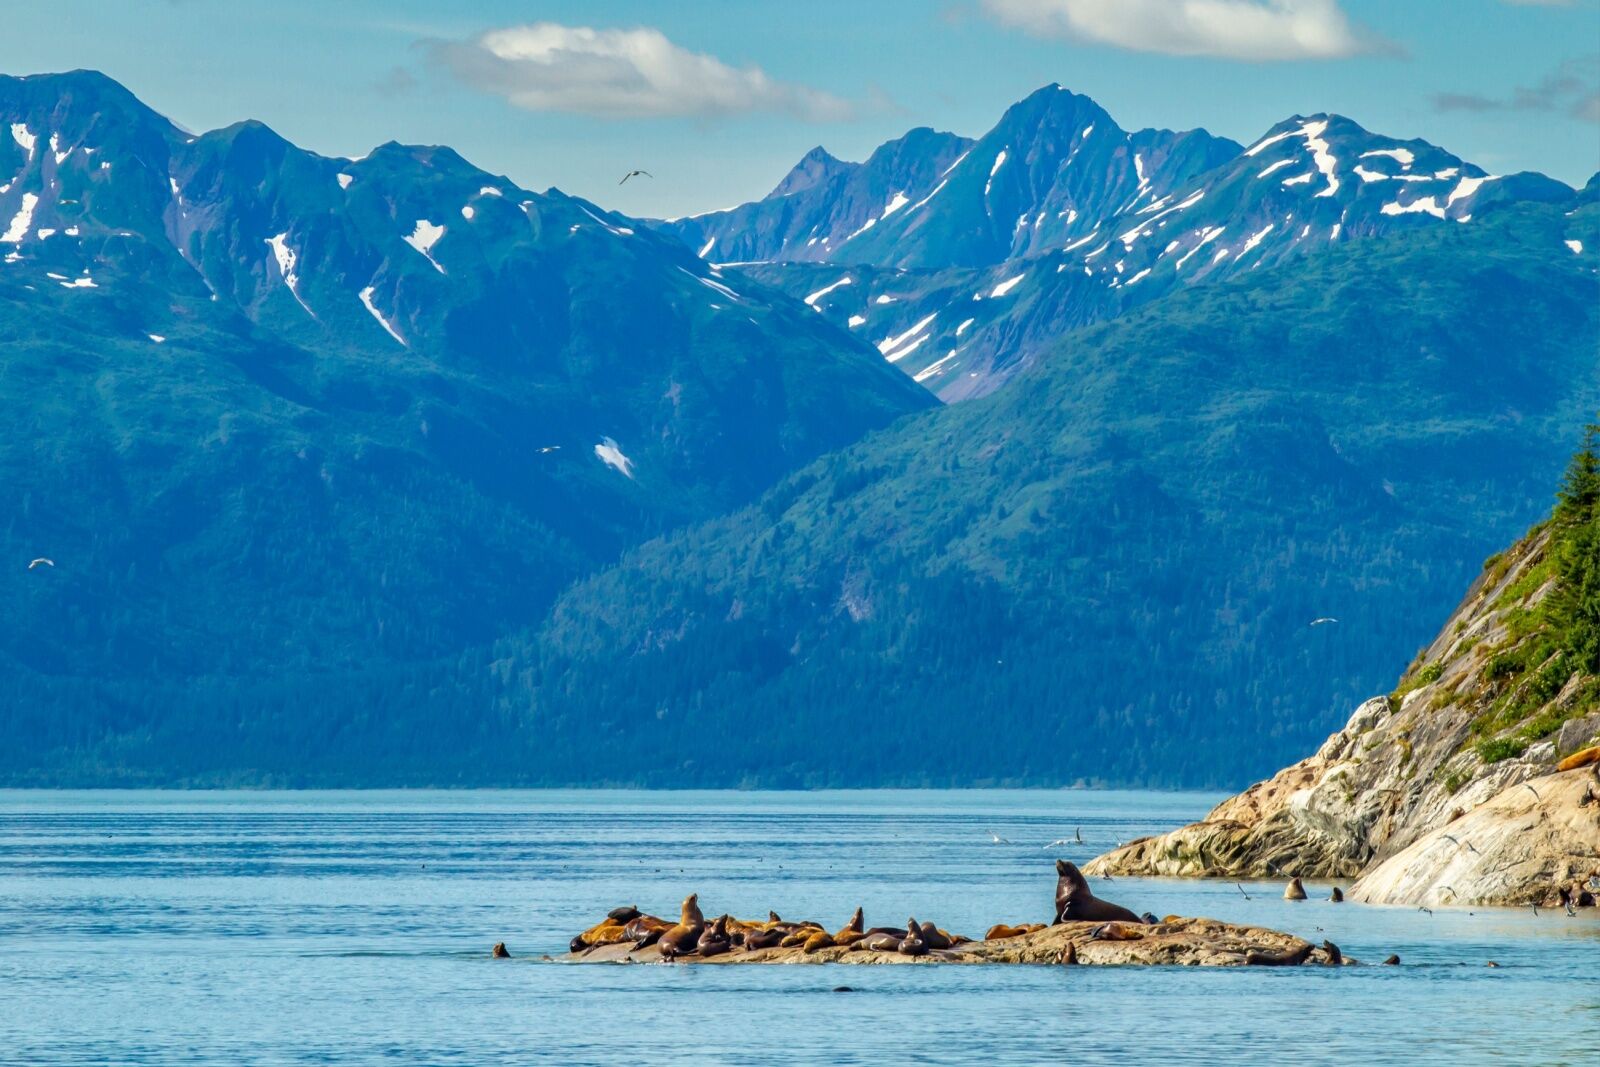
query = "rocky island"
x=1086 y=930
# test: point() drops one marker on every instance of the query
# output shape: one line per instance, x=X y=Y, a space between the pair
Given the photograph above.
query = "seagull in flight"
x=997 y=839
x=41 y=562
x=635 y=174
x=1322 y=621
x=549 y=448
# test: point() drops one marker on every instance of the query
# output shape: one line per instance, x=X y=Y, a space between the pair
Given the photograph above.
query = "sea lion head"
x=623 y=915
x=773 y=917
x=690 y=914
x=858 y=922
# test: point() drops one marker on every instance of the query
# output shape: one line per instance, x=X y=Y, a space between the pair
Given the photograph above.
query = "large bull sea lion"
x=1076 y=902
x=684 y=938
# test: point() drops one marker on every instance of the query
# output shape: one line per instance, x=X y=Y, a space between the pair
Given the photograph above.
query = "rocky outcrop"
x=1443 y=792
x=1177 y=941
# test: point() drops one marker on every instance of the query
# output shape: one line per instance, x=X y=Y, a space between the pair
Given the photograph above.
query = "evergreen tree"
x=1580 y=487
x=1577 y=603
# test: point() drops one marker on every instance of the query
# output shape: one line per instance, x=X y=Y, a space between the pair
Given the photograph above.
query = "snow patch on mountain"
x=423 y=238
x=366 y=302
x=611 y=455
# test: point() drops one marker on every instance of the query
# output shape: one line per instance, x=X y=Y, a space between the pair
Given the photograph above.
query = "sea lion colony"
x=693 y=936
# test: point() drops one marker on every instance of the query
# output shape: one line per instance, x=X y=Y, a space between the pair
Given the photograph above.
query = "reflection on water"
x=355 y=927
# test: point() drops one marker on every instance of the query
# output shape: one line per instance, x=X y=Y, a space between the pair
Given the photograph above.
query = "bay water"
x=356 y=927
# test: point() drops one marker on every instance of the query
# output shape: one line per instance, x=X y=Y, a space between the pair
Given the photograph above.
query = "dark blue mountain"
x=273 y=413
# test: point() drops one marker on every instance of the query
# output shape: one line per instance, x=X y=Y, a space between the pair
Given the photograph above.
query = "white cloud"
x=1256 y=30
x=545 y=66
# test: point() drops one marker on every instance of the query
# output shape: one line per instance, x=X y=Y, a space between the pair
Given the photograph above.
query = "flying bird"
x=635 y=174
x=41 y=562
x=1322 y=621
x=997 y=839
x=549 y=448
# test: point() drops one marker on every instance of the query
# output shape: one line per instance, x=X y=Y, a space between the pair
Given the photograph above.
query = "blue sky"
x=717 y=98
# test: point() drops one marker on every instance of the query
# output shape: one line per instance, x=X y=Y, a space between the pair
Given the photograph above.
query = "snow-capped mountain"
x=394 y=401
x=1058 y=218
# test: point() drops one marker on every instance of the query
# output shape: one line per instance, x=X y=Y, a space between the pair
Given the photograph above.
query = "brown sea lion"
x=800 y=935
x=1581 y=758
x=684 y=938
x=1335 y=957
x=500 y=952
x=715 y=940
x=856 y=925
x=1295 y=890
x=645 y=930
x=1391 y=961
x=604 y=933
x=1000 y=931
x=934 y=937
x=755 y=940
x=1076 y=902
x=1337 y=896
x=624 y=915
x=1069 y=954
x=1116 y=931
x=912 y=944
x=877 y=943
x=817 y=942
x=1287 y=958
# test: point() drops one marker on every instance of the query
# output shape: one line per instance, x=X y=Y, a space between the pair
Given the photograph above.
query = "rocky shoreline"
x=1415 y=799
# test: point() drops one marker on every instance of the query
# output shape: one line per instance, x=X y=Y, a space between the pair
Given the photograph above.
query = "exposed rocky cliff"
x=1446 y=791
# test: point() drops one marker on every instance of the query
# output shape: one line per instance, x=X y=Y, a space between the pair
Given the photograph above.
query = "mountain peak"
x=815 y=168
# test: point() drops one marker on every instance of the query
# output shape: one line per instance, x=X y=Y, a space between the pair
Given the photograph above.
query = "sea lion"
x=624 y=915
x=755 y=940
x=1337 y=896
x=1076 y=902
x=1335 y=957
x=1000 y=931
x=877 y=943
x=684 y=938
x=1295 y=890
x=1069 y=954
x=1115 y=931
x=607 y=932
x=856 y=925
x=1391 y=961
x=934 y=937
x=800 y=935
x=715 y=940
x=1581 y=758
x=644 y=930
x=817 y=942
x=500 y=951
x=912 y=944
x=1289 y=958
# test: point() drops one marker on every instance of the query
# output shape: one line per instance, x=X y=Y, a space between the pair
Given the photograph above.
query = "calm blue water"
x=248 y=928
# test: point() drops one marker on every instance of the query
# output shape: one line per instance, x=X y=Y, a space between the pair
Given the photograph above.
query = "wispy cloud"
x=609 y=73
x=1254 y=30
x=1573 y=89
